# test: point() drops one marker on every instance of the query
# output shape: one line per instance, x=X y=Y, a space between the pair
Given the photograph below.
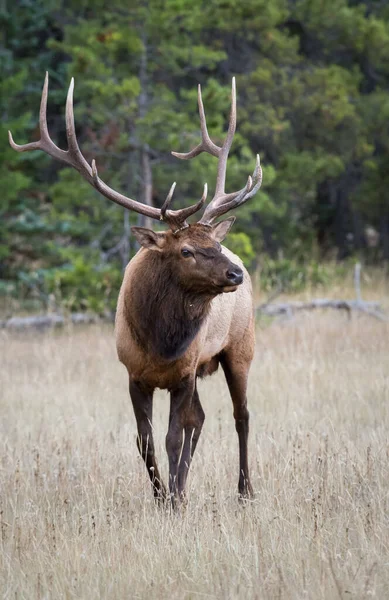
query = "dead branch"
x=289 y=308
x=52 y=320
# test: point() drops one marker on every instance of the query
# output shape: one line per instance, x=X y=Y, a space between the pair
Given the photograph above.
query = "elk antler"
x=222 y=202
x=176 y=219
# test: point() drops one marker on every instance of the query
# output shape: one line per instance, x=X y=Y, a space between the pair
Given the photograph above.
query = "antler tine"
x=167 y=202
x=177 y=219
x=190 y=210
x=235 y=199
x=73 y=157
x=44 y=143
x=222 y=166
x=257 y=178
x=222 y=202
x=43 y=108
x=206 y=144
x=79 y=161
x=216 y=210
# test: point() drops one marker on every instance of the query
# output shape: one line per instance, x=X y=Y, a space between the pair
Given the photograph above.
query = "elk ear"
x=220 y=230
x=149 y=238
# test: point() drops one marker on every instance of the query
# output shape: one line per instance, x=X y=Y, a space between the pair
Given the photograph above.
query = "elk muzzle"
x=235 y=275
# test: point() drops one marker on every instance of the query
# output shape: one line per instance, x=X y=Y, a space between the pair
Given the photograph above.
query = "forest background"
x=313 y=100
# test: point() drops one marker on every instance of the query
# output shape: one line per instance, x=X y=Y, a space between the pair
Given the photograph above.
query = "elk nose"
x=235 y=275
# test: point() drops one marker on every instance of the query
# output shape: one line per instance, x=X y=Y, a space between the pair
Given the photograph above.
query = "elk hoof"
x=160 y=496
x=246 y=493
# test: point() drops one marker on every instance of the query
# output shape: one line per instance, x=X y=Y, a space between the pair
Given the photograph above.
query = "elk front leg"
x=236 y=377
x=142 y=401
x=194 y=419
x=180 y=402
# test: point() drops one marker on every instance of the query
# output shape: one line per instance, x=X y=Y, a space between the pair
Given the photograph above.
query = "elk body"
x=185 y=306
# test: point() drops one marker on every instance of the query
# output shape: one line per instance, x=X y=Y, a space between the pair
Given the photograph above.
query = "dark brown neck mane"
x=163 y=317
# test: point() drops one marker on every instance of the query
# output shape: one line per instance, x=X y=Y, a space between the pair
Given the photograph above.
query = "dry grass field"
x=77 y=519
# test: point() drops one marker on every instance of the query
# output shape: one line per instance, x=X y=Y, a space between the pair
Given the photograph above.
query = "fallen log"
x=289 y=308
x=51 y=320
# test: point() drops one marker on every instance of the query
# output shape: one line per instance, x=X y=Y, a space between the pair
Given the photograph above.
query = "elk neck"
x=163 y=317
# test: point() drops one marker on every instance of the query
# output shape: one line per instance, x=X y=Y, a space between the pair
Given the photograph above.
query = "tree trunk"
x=147 y=181
x=384 y=236
x=146 y=171
x=341 y=225
x=324 y=211
x=125 y=247
x=359 y=233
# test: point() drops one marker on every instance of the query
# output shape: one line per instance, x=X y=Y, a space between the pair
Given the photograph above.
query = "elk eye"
x=186 y=253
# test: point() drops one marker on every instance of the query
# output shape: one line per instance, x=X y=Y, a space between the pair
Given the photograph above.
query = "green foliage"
x=293 y=276
x=82 y=284
x=240 y=244
x=313 y=100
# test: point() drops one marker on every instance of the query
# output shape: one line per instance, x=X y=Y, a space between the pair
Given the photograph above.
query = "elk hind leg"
x=236 y=373
x=194 y=419
x=180 y=401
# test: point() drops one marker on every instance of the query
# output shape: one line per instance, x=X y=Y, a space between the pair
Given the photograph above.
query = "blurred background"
x=313 y=100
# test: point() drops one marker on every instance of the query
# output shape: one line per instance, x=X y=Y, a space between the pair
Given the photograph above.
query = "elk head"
x=194 y=249
x=193 y=256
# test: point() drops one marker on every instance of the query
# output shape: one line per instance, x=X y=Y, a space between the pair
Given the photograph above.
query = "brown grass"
x=77 y=515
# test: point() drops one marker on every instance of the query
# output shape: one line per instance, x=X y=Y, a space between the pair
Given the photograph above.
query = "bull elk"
x=177 y=317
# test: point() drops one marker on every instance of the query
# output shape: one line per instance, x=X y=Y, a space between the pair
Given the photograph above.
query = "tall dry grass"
x=76 y=509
